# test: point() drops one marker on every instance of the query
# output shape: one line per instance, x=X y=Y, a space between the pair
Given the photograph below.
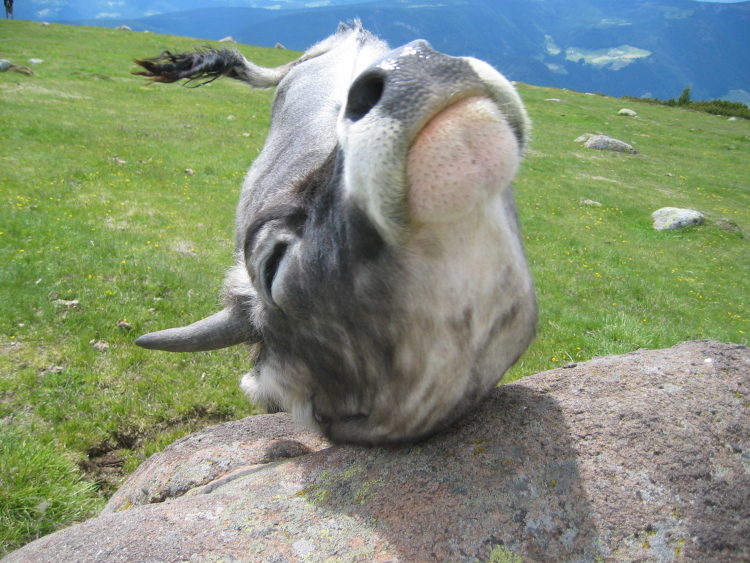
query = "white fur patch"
x=289 y=389
x=507 y=99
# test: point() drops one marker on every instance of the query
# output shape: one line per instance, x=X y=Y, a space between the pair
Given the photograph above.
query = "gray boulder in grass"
x=672 y=218
x=605 y=143
x=639 y=457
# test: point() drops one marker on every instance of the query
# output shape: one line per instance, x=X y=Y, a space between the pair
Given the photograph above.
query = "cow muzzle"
x=425 y=134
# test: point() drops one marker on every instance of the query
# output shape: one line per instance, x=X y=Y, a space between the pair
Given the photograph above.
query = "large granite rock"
x=640 y=457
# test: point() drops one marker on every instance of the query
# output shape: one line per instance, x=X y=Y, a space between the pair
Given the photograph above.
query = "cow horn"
x=226 y=328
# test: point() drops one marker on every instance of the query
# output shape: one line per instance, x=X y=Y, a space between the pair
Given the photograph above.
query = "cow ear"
x=269 y=267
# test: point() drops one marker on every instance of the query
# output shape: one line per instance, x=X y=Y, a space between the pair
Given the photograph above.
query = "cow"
x=380 y=274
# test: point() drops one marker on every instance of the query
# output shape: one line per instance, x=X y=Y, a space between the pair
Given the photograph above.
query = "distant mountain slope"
x=103 y=10
x=202 y=23
x=613 y=47
x=639 y=48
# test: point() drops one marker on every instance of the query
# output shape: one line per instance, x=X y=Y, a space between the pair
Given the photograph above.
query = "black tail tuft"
x=208 y=63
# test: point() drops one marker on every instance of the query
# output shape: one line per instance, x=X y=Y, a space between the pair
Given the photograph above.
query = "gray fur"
x=374 y=326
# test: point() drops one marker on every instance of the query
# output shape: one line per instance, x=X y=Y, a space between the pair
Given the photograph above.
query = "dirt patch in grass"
x=106 y=461
x=106 y=471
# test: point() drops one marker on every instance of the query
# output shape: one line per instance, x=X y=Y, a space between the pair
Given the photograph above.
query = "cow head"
x=380 y=272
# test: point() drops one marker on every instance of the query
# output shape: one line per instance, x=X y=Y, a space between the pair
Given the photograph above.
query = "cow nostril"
x=364 y=95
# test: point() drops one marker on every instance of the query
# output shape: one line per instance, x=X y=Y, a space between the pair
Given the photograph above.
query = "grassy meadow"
x=105 y=236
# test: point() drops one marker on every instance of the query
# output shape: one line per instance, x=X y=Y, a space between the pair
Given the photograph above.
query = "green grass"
x=141 y=242
x=608 y=282
x=29 y=505
x=715 y=107
x=146 y=243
